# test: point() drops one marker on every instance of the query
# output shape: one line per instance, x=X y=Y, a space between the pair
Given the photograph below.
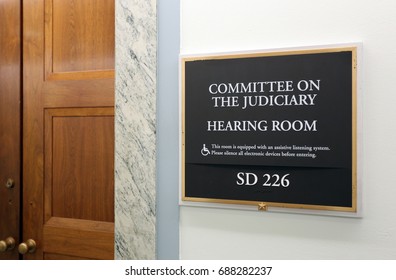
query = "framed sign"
x=271 y=129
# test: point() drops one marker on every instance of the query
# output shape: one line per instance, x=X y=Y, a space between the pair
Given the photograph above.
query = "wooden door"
x=68 y=128
x=10 y=122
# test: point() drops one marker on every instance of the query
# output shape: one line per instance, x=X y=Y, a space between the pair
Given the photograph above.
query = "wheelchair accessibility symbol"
x=205 y=151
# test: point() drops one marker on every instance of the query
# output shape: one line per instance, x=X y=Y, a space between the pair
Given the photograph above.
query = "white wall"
x=234 y=25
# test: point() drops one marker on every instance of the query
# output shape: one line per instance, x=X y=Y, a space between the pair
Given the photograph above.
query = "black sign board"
x=272 y=129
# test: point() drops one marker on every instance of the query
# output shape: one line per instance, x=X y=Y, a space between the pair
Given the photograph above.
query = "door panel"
x=79 y=170
x=10 y=128
x=68 y=135
x=71 y=30
x=79 y=39
x=82 y=238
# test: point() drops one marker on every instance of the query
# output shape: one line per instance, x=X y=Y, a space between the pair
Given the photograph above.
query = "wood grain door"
x=10 y=122
x=68 y=128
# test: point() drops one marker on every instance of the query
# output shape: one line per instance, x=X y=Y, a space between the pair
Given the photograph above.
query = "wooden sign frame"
x=220 y=85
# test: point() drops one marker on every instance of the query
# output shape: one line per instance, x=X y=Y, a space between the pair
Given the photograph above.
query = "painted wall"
x=234 y=25
x=167 y=130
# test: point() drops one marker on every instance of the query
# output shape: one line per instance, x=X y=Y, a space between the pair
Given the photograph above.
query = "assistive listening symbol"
x=205 y=151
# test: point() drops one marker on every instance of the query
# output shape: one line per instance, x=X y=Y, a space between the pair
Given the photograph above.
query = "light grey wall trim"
x=135 y=129
x=168 y=130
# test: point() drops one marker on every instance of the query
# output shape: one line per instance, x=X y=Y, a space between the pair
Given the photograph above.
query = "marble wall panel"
x=135 y=129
